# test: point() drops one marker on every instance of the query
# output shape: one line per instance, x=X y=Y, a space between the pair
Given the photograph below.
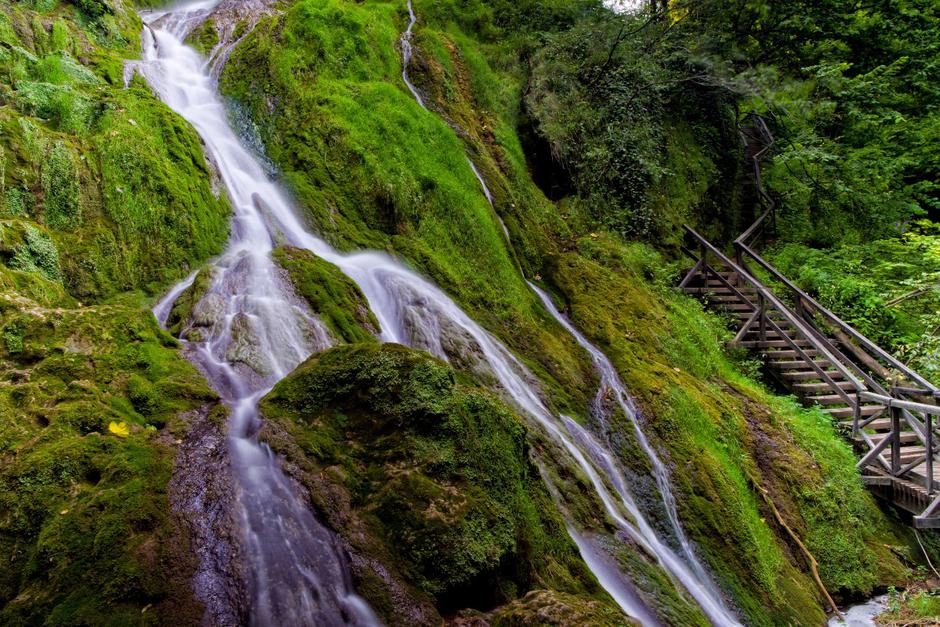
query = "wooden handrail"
x=866 y=343
x=782 y=309
x=890 y=401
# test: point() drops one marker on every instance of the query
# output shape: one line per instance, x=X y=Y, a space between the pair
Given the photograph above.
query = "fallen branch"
x=927 y=557
x=813 y=564
x=909 y=295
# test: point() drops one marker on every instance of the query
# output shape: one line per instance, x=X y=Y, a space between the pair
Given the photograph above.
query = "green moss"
x=182 y=313
x=548 y=607
x=729 y=433
x=119 y=180
x=86 y=533
x=373 y=169
x=334 y=297
x=204 y=38
x=436 y=474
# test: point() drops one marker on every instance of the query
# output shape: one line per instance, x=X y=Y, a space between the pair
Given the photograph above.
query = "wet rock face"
x=232 y=20
x=244 y=346
x=202 y=494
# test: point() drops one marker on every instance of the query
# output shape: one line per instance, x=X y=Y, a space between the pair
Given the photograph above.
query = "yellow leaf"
x=119 y=429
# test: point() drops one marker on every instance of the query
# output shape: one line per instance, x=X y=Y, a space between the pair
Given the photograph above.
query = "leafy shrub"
x=37 y=254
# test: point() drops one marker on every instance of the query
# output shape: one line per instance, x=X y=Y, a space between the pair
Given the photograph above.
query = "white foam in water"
x=297 y=574
x=862 y=615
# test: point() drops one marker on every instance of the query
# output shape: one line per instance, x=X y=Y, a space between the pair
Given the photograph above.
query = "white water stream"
x=688 y=570
x=254 y=332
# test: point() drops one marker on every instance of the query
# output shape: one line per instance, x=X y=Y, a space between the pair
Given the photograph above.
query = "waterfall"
x=256 y=331
x=611 y=386
x=695 y=578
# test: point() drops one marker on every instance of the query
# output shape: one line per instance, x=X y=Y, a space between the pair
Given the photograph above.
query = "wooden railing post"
x=762 y=313
x=856 y=414
x=799 y=306
x=929 y=445
x=895 y=440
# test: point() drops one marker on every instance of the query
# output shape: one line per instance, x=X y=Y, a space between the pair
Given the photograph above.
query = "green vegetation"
x=730 y=435
x=625 y=139
x=431 y=475
x=119 y=182
x=335 y=299
x=104 y=195
x=376 y=170
x=591 y=130
x=91 y=400
x=886 y=288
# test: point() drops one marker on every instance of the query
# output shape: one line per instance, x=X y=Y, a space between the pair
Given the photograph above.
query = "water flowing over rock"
x=295 y=568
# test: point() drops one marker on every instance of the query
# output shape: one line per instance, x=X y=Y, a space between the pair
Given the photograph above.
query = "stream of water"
x=254 y=331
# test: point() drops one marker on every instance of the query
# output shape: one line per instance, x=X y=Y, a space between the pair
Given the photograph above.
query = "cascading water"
x=254 y=332
x=612 y=387
x=407 y=51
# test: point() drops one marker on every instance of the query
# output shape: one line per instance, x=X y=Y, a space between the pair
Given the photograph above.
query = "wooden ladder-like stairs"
x=892 y=426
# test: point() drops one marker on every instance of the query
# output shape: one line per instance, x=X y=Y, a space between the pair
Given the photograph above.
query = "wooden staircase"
x=888 y=411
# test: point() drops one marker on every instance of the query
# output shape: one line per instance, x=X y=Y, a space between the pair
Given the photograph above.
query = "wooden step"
x=807 y=375
x=907 y=437
x=719 y=290
x=724 y=290
x=878 y=424
x=828 y=399
x=910 y=453
x=776 y=343
x=849 y=412
x=724 y=298
x=799 y=364
x=813 y=388
x=753 y=335
x=789 y=353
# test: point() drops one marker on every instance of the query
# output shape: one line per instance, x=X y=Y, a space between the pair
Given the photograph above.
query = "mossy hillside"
x=118 y=180
x=429 y=474
x=322 y=82
x=333 y=296
x=725 y=436
x=481 y=106
x=86 y=533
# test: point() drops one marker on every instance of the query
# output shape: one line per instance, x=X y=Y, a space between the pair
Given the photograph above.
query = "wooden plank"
x=826 y=399
x=808 y=375
x=799 y=364
x=848 y=412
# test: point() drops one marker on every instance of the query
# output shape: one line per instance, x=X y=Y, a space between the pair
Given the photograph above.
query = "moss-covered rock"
x=333 y=296
x=117 y=180
x=549 y=607
x=426 y=473
x=89 y=399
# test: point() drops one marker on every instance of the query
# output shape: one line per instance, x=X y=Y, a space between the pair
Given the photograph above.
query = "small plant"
x=13 y=338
